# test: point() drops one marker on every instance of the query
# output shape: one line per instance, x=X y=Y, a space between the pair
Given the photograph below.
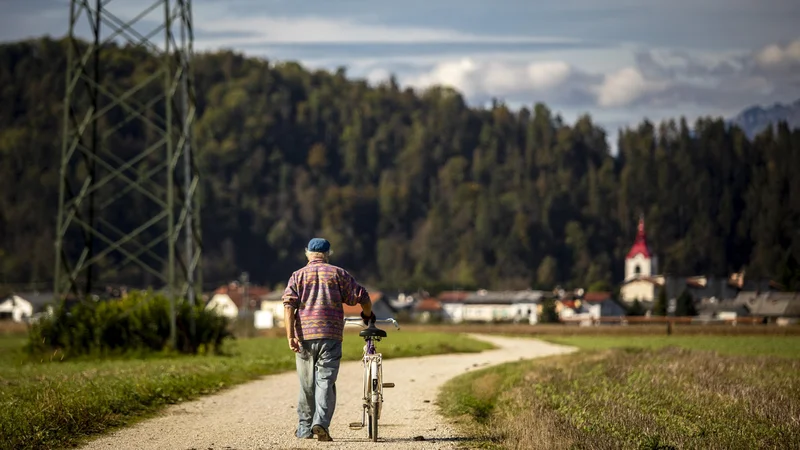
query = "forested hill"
x=415 y=188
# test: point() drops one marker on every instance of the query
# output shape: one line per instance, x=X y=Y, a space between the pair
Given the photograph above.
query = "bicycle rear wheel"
x=374 y=400
x=373 y=422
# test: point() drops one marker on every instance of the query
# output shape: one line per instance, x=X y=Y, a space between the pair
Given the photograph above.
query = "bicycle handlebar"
x=357 y=321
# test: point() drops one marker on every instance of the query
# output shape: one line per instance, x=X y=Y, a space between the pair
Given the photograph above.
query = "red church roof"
x=640 y=244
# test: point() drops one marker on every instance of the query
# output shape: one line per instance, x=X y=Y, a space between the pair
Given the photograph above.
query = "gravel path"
x=261 y=414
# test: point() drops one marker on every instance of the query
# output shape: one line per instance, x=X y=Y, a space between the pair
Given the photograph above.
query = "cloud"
x=476 y=78
x=556 y=81
x=719 y=83
x=309 y=29
x=775 y=56
x=625 y=86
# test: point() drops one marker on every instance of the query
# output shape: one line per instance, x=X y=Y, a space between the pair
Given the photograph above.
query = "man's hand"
x=295 y=345
x=368 y=319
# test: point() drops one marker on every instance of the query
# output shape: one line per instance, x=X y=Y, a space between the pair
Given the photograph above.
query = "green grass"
x=780 y=346
x=47 y=404
x=637 y=393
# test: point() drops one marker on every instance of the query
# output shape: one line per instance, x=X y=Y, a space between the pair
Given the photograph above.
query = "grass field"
x=652 y=392
x=779 y=346
x=47 y=404
x=545 y=330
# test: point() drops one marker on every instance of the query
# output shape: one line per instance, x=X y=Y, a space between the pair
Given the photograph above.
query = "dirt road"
x=261 y=414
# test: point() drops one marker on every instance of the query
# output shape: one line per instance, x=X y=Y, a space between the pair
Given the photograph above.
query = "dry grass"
x=612 y=330
x=633 y=399
x=9 y=327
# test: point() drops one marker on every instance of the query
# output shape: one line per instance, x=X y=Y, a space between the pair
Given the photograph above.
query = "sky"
x=618 y=60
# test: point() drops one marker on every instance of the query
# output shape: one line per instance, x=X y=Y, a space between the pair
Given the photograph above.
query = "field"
x=656 y=392
x=46 y=404
x=558 y=330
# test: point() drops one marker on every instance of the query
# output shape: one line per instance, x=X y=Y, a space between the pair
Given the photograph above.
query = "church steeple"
x=640 y=261
x=640 y=244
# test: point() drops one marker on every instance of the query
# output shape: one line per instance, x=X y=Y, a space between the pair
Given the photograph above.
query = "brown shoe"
x=321 y=433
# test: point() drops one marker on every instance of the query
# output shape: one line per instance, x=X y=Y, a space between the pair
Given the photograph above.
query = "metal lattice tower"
x=129 y=195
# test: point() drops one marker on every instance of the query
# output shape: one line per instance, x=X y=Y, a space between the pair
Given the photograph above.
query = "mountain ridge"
x=755 y=119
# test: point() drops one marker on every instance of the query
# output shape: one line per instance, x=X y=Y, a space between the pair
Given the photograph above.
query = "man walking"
x=314 y=320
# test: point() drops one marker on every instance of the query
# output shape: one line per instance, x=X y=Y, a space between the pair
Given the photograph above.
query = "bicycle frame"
x=373 y=381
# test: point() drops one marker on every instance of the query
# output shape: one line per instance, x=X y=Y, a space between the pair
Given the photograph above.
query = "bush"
x=636 y=308
x=140 y=322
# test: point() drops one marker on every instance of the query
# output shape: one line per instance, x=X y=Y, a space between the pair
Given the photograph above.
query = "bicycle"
x=373 y=376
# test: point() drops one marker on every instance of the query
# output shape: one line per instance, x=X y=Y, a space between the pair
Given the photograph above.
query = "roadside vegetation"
x=49 y=403
x=644 y=393
x=138 y=323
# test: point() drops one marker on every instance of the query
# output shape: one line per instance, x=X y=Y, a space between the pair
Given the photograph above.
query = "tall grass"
x=633 y=398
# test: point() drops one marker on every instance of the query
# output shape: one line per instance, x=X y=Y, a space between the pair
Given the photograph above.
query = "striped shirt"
x=317 y=292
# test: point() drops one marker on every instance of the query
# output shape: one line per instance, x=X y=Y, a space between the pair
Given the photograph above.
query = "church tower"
x=640 y=261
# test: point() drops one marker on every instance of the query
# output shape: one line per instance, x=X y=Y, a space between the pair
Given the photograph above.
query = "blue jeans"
x=317 y=367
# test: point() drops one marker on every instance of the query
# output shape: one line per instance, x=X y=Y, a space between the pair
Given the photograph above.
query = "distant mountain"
x=755 y=119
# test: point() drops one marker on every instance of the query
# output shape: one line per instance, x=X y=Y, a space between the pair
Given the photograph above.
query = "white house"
x=17 y=308
x=222 y=304
x=228 y=300
x=491 y=306
x=271 y=312
x=25 y=306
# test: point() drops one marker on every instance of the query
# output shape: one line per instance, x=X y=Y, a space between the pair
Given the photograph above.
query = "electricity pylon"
x=128 y=149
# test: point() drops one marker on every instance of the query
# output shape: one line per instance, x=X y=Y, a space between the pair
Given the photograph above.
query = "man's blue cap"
x=319 y=245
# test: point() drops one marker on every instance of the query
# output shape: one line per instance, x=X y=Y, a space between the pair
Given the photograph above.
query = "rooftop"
x=640 y=244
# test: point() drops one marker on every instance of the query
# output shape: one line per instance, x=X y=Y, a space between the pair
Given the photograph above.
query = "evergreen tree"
x=660 y=306
x=636 y=308
x=549 y=314
x=684 y=305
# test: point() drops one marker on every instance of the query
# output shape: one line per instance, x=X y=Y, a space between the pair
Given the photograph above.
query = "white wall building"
x=640 y=267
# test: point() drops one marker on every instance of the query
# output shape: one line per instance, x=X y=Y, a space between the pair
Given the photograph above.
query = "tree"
x=684 y=305
x=636 y=308
x=547 y=273
x=660 y=306
x=549 y=314
x=789 y=276
x=600 y=286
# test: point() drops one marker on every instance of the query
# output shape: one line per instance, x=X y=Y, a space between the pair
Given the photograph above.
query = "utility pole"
x=245 y=279
x=101 y=176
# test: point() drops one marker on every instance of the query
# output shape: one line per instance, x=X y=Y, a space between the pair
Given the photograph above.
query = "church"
x=641 y=265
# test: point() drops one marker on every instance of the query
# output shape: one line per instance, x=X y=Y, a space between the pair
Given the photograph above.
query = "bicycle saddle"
x=372 y=331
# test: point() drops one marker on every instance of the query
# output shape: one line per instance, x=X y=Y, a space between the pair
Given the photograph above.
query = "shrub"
x=140 y=322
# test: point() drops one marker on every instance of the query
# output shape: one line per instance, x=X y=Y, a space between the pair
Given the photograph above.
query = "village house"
x=405 y=304
x=380 y=306
x=26 y=306
x=588 y=308
x=229 y=300
x=270 y=312
x=781 y=308
x=491 y=306
x=428 y=310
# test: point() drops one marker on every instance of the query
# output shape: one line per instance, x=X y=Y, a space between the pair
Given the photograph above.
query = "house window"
x=637 y=269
